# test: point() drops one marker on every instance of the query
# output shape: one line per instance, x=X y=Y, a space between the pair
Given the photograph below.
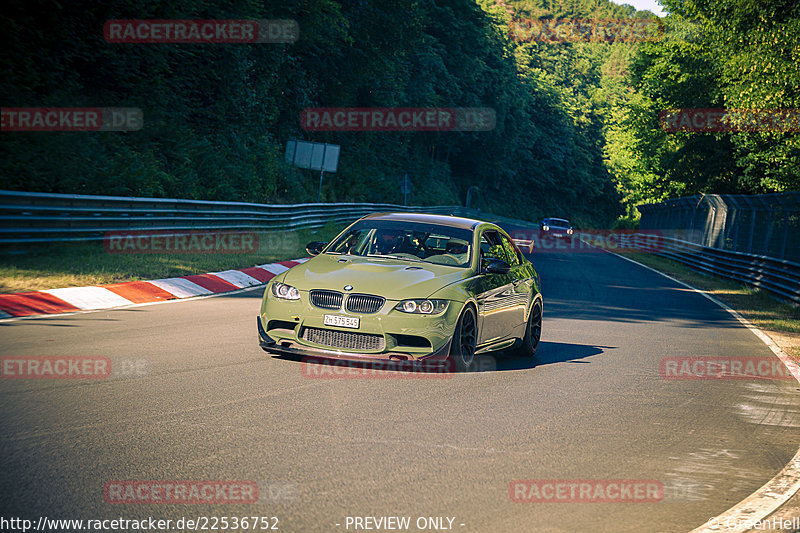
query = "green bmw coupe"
x=406 y=288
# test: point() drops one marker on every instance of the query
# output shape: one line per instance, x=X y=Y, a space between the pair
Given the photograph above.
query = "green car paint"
x=502 y=301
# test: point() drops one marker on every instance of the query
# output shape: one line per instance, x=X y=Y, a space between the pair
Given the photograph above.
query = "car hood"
x=392 y=279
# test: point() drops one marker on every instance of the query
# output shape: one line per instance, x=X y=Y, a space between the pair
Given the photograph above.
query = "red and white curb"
x=74 y=299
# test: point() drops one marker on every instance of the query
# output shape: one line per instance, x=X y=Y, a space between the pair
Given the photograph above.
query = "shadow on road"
x=548 y=353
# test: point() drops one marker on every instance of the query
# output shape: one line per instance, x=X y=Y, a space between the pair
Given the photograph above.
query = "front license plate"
x=341 y=321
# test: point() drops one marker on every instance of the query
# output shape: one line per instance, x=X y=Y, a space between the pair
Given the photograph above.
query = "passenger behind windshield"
x=406 y=241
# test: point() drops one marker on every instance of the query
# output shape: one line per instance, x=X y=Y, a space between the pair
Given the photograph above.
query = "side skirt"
x=496 y=346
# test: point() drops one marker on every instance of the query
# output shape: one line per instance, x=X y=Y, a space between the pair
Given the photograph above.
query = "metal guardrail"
x=767 y=224
x=46 y=217
x=778 y=276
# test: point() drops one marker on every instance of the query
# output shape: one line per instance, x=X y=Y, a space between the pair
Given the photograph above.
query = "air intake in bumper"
x=346 y=340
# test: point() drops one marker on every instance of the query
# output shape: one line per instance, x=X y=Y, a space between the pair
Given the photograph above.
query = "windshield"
x=408 y=241
x=556 y=222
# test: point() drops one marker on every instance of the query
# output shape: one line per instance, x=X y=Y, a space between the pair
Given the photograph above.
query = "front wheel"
x=462 y=349
x=533 y=331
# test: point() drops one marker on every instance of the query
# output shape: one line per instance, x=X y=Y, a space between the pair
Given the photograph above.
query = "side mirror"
x=316 y=247
x=496 y=266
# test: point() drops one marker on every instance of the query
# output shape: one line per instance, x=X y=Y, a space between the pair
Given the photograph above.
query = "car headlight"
x=422 y=307
x=546 y=228
x=285 y=292
x=569 y=231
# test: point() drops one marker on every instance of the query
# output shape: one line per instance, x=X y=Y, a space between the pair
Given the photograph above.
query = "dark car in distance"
x=557 y=228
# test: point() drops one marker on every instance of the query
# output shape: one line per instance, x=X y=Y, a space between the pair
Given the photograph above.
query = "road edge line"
x=781 y=488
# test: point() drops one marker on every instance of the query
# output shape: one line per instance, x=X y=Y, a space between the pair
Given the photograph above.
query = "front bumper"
x=295 y=349
x=554 y=235
x=284 y=327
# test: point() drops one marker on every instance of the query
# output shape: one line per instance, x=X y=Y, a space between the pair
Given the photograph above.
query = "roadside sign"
x=314 y=156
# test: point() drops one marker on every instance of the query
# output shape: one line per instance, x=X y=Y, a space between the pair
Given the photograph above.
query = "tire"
x=462 y=349
x=533 y=332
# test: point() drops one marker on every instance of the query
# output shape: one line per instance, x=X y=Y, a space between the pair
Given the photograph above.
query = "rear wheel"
x=533 y=332
x=462 y=349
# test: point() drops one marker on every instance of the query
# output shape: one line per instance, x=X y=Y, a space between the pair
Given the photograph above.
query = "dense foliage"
x=576 y=131
x=731 y=54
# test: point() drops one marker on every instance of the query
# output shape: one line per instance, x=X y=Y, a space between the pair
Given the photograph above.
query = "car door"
x=496 y=293
x=522 y=285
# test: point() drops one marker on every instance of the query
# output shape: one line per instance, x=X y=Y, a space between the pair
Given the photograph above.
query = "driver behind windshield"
x=384 y=242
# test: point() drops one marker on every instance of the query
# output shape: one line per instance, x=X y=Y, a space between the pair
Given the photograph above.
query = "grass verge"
x=777 y=319
x=53 y=266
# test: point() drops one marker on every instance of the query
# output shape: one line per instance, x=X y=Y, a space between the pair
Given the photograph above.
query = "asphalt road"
x=207 y=404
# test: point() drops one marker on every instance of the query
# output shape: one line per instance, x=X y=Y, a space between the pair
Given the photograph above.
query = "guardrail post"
x=785 y=233
x=754 y=212
x=765 y=249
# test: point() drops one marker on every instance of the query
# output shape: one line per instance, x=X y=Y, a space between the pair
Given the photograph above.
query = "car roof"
x=427 y=218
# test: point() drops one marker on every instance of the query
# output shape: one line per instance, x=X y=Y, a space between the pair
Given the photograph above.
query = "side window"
x=492 y=247
x=511 y=251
